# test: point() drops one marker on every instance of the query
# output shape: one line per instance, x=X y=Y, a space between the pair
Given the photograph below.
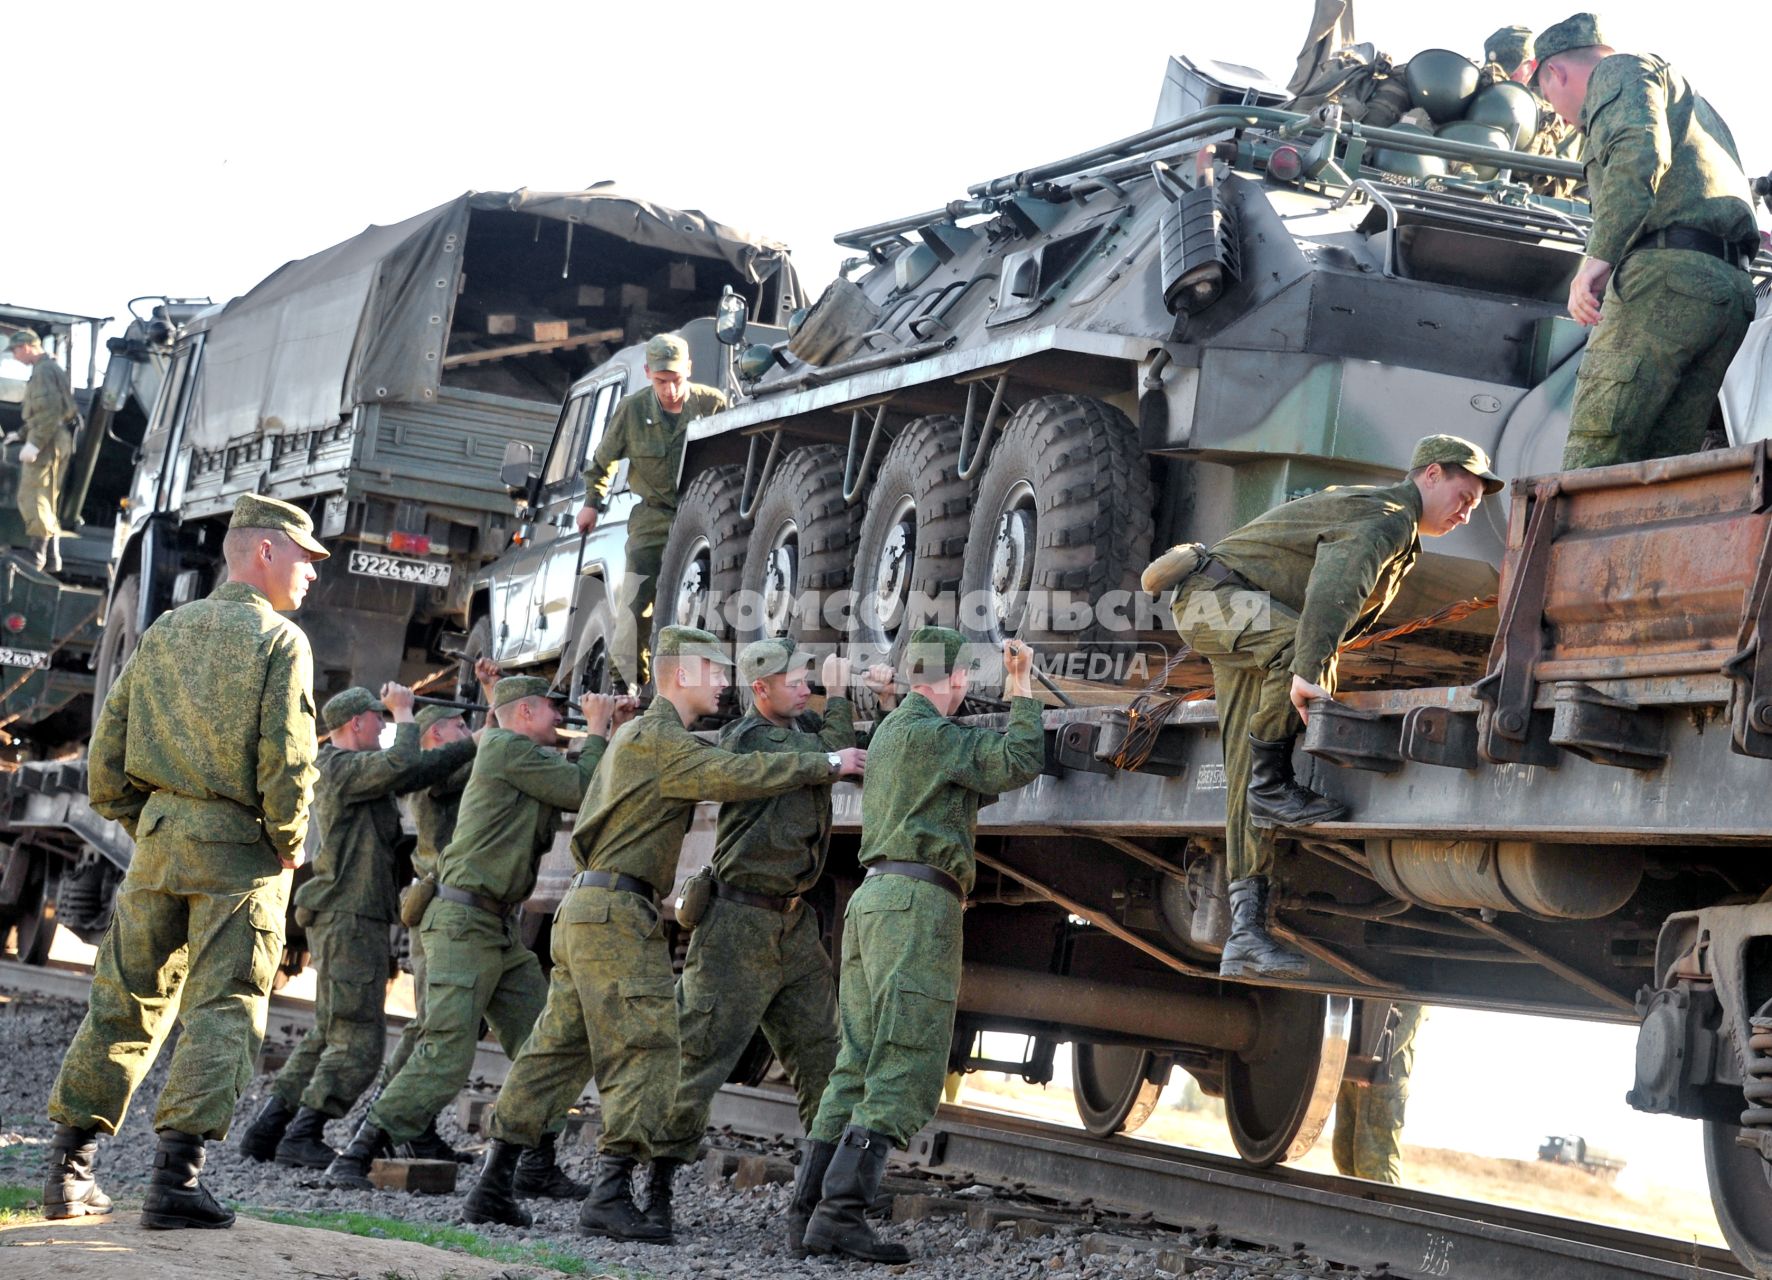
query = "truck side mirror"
x=729 y=318
x=515 y=472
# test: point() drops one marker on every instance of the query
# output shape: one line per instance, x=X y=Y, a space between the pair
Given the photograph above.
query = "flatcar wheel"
x=1114 y=1086
x=1741 y=1193
x=1278 y=1099
x=34 y=924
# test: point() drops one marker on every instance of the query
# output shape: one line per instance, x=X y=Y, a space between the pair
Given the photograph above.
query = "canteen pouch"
x=414 y=898
x=692 y=904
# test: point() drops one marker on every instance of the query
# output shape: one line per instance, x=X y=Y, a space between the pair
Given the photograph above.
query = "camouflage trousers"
x=410 y=1035
x=40 y=485
x=648 y=531
x=1251 y=657
x=1672 y=321
x=612 y=1014
x=750 y=967
x=476 y=967
x=338 y=1059
x=196 y=936
x=1369 y=1117
x=900 y=987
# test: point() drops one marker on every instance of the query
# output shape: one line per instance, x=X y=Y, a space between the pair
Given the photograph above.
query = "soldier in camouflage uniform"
x=477 y=966
x=1369 y=1114
x=1268 y=607
x=755 y=957
x=204 y=750
x=51 y=417
x=901 y=933
x=611 y=1006
x=647 y=428
x=1664 y=282
x=347 y=908
x=1509 y=55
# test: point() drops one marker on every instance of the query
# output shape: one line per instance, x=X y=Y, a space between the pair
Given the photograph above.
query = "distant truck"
x=1574 y=1149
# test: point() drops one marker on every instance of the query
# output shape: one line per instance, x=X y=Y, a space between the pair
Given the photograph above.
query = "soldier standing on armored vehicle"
x=1268 y=607
x=647 y=428
x=901 y=936
x=611 y=1008
x=1667 y=255
x=346 y=909
x=204 y=751
x=50 y=416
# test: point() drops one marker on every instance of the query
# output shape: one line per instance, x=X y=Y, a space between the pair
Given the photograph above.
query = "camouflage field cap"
x=22 y=338
x=255 y=511
x=770 y=657
x=933 y=653
x=1453 y=451
x=341 y=707
x=512 y=688
x=691 y=642
x=667 y=353
x=1509 y=48
x=1577 y=31
x=431 y=715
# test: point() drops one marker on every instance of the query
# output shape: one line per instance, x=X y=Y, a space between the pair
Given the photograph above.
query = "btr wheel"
x=1278 y=1097
x=700 y=571
x=1116 y=1086
x=801 y=550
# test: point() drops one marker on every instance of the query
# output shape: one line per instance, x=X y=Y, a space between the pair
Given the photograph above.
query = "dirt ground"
x=116 y=1248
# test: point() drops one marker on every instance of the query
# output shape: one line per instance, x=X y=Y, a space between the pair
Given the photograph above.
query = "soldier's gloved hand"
x=397 y=698
x=599 y=712
x=1018 y=669
x=883 y=684
x=28 y=453
x=834 y=675
x=1302 y=693
x=854 y=762
x=627 y=706
x=587 y=518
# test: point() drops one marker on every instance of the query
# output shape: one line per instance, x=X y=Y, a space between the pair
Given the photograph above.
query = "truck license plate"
x=372 y=564
x=31 y=658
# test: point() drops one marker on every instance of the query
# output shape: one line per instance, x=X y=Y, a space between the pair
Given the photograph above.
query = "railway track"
x=1370 y=1229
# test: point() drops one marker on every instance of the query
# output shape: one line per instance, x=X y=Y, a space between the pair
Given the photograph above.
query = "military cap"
x=666 y=352
x=341 y=707
x=431 y=715
x=769 y=657
x=255 y=511
x=1452 y=451
x=512 y=688
x=1510 y=48
x=22 y=338
x=1578 y=31
x=933 y=653
x=691 y=642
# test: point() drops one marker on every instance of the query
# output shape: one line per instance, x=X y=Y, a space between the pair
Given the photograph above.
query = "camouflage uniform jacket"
x=926 y=775
x=652 y=442
x=509 y=811
x=360 y=821
x=778 y=845
x=1658 y=156
x=434 y=812
x=1335 y=558
x=48 y=402
x=212 y=716
x=638 y=810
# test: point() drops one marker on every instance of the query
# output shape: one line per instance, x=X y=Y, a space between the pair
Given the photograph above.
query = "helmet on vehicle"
x=1442 y=83
x=1407 y=164
x=1510 y=107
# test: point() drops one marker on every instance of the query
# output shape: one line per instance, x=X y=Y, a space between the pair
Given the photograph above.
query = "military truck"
x=1573 y=1149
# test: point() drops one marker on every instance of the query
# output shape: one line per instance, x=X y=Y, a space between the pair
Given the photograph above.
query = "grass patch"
x=437 y=1235
x=12 y=1205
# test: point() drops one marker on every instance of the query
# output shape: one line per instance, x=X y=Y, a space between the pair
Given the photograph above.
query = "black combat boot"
x=815 y=1158
x=429 y=1145
x=539 y=1175
x=304 y=1143
x=1249 y=945
x=1276 y=797
x=52 y=555
x=260 y=1140
x=493 y=1198
x=70 y=1188
x=38 y=553
x=610 y=1211
x=351 y=1167
x=659 y=1179
x=839 y=1224
x=175 y=1198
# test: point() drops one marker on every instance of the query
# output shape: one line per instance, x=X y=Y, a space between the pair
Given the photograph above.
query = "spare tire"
x=699 y=573
x=801 y=552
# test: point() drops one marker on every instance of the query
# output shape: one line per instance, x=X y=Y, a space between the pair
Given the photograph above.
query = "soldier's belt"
x=614 y=880
x=917 y=871
x=1695 y=240
x=1221 y=574
x=492 y=905
x=767 y=901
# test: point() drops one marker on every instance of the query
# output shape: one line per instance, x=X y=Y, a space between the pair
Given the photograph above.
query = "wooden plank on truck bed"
x=532 y=348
